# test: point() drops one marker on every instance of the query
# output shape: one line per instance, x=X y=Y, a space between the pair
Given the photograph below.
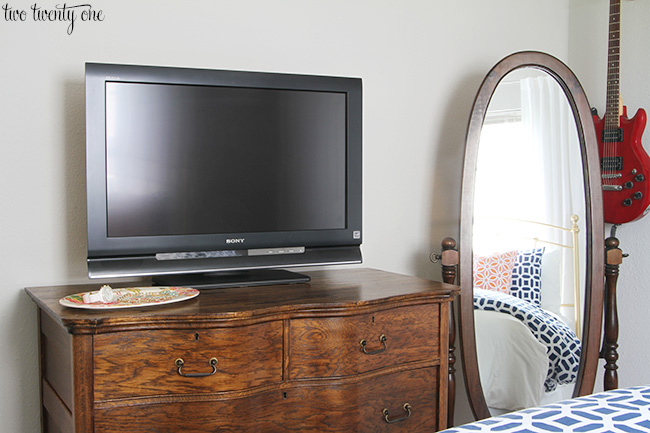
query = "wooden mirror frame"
x=594 y=224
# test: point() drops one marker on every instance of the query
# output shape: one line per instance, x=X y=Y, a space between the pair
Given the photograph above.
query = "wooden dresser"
x=354 y=350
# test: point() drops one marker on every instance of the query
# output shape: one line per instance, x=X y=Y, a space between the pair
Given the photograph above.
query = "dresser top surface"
x=328 y=291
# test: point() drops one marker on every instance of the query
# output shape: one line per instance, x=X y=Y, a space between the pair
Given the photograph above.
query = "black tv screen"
x=190 y=159
x=192 y=170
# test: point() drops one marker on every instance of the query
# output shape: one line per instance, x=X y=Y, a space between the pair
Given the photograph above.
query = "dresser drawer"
x=259 y=413
x=349 y=345
x=144 y=363
x=351 y=406
x=410 y=399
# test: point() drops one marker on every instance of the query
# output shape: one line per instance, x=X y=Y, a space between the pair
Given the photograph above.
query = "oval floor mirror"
x=531 y=239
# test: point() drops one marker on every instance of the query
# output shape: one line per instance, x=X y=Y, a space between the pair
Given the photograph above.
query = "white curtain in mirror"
x=548 y=120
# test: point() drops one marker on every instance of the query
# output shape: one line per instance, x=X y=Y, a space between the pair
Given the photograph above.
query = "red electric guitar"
x=625 y=166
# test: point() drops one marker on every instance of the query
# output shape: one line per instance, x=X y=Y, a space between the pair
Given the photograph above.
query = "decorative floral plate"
x=133 y=297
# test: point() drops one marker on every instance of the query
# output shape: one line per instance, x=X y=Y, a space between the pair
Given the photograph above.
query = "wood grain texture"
x=257 y=413
x=353 y=406
x=141 y=363
x=328 y=293
x=358 y=406
x=82 y=367
x=289 y=359
x=330 y=347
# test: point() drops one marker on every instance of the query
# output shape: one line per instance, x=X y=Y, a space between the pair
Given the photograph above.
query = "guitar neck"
x=612 y=113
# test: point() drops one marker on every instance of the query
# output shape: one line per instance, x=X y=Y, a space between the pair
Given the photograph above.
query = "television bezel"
x=136 y=255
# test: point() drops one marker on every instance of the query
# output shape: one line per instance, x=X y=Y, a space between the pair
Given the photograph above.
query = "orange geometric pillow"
x=494 y=272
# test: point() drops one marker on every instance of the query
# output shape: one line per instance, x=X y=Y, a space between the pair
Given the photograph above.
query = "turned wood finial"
x=611 y=242
x=448 y=243
x=449 y=256
x=613 y=254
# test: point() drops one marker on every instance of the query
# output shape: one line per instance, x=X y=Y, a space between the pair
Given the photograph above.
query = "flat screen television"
x=209 y=178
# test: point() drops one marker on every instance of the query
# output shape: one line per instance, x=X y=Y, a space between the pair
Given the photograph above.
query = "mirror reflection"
x=528 y=244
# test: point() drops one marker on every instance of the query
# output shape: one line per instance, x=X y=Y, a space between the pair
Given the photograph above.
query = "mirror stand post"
x=449 y=259
x=613 y=258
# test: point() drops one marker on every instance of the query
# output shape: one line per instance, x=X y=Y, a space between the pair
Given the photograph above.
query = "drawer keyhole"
x=196 y=337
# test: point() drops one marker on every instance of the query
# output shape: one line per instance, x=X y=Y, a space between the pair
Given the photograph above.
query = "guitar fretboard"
x=613 y=66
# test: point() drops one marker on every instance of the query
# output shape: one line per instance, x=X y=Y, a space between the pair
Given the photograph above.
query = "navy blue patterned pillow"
x=527 y=276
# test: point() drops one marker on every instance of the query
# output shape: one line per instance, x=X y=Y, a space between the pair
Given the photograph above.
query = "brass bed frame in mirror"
x=536 y=239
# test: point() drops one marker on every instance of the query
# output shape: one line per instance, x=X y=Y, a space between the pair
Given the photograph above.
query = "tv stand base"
x=223 y=279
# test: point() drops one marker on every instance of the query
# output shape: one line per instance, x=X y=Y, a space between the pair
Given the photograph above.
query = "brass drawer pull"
x=180 y=363
x=382 y=339
x=407 y=409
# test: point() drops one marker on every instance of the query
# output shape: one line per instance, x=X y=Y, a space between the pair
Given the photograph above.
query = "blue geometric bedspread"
x=562 y=344
x=621 y=410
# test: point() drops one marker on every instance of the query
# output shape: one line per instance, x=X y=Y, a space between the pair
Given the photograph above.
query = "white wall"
x=421 y=61
x=588 y=59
